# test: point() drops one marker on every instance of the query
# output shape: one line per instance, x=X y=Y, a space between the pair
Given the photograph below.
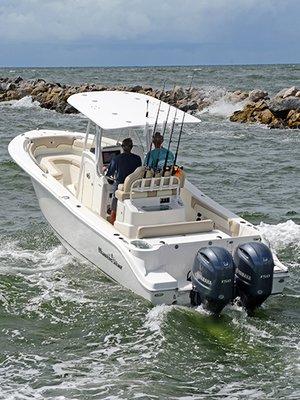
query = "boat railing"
x=155 y=184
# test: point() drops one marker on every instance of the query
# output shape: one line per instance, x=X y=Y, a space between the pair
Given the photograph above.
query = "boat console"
x=109 y=153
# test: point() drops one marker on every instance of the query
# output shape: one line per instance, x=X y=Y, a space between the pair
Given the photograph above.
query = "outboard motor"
x=212 y=278
x=254 y=274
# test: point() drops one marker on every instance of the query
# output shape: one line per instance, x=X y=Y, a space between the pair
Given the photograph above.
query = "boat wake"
x=20 y=260
x=156 y=316
x=281 y=235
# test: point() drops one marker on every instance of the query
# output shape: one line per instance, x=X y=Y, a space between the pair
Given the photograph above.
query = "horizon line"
x=150 y=66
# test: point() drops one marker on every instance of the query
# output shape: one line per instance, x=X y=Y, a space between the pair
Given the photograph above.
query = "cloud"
x=141 y=32
x=153 y=21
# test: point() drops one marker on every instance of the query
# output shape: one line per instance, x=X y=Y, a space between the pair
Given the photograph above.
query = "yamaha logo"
x=266 y=276
x=226 y=281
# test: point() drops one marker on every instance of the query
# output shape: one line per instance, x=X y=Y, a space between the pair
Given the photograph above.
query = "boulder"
x=18 y=80
x=10 y=86
x=179 y=93
x=191 y=105
x=12 y=95
x=136 y=88
x=256 y=95
x=237 y=96
x=277 y=124
x=278 y=105
x=266 y=117
x=3 y=87
x=253 y=112
x=70 y=110
x=286 y=92
x=239 y=116
x=147 y=88
x=40 y=88
x=293 y=119
x=290 y=92
x=259 y=106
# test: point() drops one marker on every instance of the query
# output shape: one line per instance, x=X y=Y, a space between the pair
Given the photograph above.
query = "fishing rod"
x=166 y=122
x=155 y=123
x=164 y=131
x=182 y=123
x=146 y=125
x=170 y=141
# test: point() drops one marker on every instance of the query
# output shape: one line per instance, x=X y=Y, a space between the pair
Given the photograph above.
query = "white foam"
x=156 y=316
x=2 y=298
x=281 y=235
x=24 y=102
x=223 y=108
x=202 y=310
x=254 y=332
x=50 y=259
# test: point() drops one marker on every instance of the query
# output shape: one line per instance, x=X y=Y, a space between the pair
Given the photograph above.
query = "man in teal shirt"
x=155 y=159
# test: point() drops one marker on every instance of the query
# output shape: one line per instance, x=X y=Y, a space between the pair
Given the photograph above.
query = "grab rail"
x=155 y=184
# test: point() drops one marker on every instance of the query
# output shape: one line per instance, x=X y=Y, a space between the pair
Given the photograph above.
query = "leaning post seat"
x=144 y=183
x=126 y=186
x=146 y=199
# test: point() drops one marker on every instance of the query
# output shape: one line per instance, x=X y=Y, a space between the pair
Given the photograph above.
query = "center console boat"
x=170 y=242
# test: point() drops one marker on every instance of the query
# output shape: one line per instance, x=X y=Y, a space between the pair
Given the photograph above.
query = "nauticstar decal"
x=110 y=257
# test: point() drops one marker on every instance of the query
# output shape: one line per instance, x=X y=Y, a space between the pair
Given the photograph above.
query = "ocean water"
x=66 y=332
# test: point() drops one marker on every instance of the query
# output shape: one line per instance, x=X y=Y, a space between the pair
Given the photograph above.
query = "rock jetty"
x=282 y=111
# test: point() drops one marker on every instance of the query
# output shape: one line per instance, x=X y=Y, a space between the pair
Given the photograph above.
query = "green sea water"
x=67 y=332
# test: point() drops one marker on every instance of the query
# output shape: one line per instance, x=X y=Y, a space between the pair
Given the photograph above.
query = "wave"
x=223 y=108
x=27 y=103
x=156 y=316
x=48 y=288
x=33 y=260
x=281 y=235
x=24 y=102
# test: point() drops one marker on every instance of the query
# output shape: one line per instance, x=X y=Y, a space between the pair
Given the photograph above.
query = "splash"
x=223 y=108
x=281 y=235
x=155 y=317
x=25 y=102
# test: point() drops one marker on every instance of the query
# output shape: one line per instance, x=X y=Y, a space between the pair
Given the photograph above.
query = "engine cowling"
x=254 y=274
x=212 y=278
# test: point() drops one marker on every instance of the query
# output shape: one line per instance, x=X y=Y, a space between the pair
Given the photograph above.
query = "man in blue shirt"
x=119 y=168
x=155 y=159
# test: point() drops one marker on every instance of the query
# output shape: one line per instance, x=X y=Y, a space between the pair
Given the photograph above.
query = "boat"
x=170 y=243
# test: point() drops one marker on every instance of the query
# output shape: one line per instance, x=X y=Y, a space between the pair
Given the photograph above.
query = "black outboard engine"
x=212 y=278
x=254 y=274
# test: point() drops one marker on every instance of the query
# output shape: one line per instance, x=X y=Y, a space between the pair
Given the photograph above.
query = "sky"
x=141 y=32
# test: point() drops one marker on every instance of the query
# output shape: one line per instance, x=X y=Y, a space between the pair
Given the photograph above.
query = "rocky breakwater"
x=280 y=111
x=54 y=96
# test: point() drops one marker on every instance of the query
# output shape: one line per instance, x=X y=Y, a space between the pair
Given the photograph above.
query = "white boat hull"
x=158 y=274
x=89 y=245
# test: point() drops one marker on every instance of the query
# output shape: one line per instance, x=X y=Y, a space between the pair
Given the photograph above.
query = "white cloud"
x=139 y=20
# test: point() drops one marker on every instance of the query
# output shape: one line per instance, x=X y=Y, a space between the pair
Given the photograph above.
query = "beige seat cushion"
x=137 y=174
x=48 y=163
x=123 y=191
x=179 y=228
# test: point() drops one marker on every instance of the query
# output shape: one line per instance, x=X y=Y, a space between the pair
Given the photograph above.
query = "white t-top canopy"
x=115 y=109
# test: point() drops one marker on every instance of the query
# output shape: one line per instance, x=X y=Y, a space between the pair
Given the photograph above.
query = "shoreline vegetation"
x=256 y=106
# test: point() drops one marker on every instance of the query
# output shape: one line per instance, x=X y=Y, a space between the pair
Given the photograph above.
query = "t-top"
x=123 y=165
